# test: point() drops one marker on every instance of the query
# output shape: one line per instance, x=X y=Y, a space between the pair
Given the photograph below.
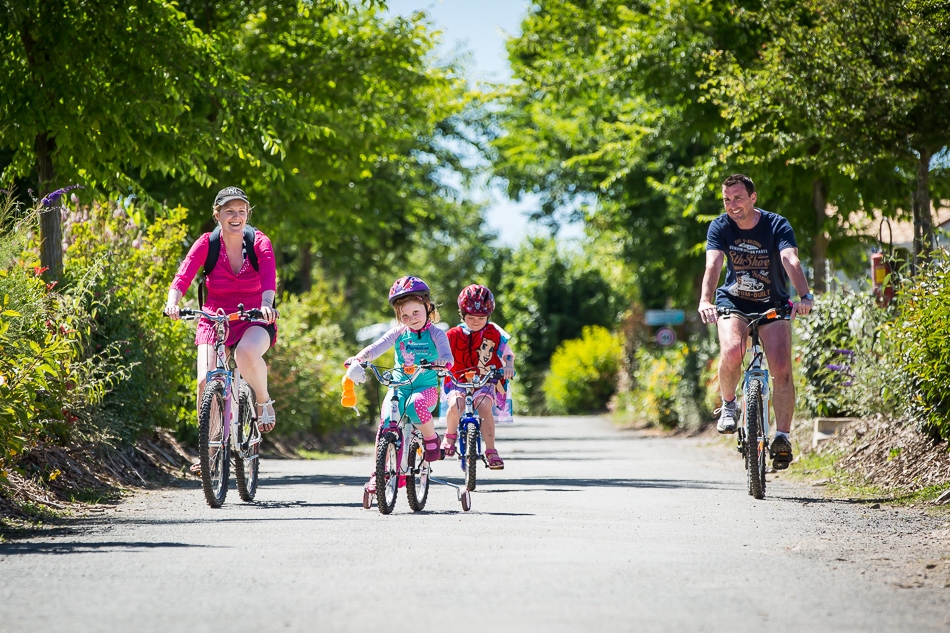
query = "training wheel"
x=367 y=500
x=466 y=500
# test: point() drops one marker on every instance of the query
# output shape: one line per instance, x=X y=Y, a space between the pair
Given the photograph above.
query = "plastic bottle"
x=349 y=394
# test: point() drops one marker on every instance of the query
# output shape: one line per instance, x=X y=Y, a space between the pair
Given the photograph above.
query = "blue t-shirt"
x=754 y=271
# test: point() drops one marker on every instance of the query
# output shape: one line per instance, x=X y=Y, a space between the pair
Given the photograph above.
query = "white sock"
x=779 y=433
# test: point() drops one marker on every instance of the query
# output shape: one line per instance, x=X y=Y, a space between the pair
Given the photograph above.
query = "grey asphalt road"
x=587 y=529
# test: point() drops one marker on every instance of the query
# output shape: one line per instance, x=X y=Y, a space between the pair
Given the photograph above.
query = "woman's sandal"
x=265 y=420
x=196 y=469
x=448 y=444
x=495 y=462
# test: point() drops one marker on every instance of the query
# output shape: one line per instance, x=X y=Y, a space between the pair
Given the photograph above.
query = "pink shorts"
x=205 y=335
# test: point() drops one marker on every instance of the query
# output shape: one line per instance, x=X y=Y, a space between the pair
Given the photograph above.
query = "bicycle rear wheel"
x=471 y=456
x=387 y=473
x=417 y=479
x=213 y=450
x=247 y=458
x=755 y=442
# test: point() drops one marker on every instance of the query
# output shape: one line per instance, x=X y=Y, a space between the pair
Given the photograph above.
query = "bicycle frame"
x=229 y=377
x=399 y=423
x=469 y=417
x=753 y=371
x=755 y=388
x=405 y=431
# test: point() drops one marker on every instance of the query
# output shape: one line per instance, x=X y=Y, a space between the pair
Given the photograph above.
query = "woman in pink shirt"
x=233 y=281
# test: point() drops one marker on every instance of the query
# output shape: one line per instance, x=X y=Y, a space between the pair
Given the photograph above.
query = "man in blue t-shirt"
x=762 y=256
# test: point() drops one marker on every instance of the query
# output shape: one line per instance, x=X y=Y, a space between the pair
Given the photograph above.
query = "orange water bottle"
x=349 y=393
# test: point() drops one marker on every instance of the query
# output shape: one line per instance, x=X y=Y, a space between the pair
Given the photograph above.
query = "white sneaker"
x=727 y=417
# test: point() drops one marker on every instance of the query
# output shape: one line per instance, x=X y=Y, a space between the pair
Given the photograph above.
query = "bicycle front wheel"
x=417 y=479
x=247 y=458
x=471 y=456
x=755 y=441
x=213 y=450
x=387 y=473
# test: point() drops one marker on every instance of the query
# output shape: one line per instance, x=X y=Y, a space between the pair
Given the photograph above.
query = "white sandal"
x=266 y=421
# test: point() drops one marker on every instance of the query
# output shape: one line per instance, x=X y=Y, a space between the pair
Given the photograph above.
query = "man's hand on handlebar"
x=802 y=308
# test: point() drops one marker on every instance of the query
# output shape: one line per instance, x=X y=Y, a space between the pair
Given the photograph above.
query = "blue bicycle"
x=470 y=424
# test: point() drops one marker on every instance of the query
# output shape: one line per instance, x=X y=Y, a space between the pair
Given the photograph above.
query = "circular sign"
x=665 y=337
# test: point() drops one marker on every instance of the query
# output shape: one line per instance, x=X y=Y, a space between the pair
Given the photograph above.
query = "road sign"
x=665 y=317
x=665 y=337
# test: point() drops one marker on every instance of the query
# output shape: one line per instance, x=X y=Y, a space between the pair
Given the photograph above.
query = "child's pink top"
x=225 y=289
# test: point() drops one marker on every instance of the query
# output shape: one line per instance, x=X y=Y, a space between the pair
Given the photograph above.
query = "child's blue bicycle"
x=470 y=424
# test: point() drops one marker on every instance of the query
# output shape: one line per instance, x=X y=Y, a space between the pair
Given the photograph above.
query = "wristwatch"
x=808 y=296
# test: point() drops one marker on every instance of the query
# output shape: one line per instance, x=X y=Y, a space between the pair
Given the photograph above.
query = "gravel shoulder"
x=587 y=527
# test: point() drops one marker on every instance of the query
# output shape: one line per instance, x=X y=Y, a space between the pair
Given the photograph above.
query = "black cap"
x=228 y=194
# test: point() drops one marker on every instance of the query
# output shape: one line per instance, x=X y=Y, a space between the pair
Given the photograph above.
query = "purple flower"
x=845 y=352
x=837 y=367
x=53 y=197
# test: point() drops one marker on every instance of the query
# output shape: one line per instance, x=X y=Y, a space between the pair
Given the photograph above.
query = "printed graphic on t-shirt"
x=751 y=261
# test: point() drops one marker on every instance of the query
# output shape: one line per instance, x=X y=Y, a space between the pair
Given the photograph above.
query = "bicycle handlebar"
x=254 y=314
x=778 y=312
x=477 y=383
x=386 y=377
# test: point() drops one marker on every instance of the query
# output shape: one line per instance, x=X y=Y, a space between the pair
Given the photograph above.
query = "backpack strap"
x=214 y=251
x=249 y=233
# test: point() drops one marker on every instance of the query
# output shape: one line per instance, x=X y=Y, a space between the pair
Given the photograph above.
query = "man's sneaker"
x=727 y=417
x=781 y=451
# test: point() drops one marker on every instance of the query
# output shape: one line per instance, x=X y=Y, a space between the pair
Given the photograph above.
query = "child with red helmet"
x=417 y=341
x=480 y=345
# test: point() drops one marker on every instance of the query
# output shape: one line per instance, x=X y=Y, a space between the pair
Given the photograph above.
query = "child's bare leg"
x=452 y=417
x=488 y=422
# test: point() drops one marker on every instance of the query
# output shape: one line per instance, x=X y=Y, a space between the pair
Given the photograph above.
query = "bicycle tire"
x=471 y=457
x=387 y=473
x=755 y=453
x=246 y=470
x=417 y=479
x=214 y=459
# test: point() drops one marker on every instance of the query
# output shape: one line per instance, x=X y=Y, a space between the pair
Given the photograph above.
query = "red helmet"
x=405 y=286
x=477 y=301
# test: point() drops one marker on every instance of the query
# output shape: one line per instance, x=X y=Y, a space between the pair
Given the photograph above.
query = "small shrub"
x=583 y=372
x=671 y=387
x=849 y=366
x=306 y=366
x=922 y=345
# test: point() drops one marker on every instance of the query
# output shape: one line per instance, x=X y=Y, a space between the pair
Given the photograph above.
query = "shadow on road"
x=83 y=548
x=561 y=484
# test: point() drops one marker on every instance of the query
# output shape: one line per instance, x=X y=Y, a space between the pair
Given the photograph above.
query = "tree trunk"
x=924 y=241
x=51 y=231
x=819 y=249
x=306 y=267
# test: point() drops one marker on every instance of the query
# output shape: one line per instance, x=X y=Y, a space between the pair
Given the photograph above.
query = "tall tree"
x=94 y=92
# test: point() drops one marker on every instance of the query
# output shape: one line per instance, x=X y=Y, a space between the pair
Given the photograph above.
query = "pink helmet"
x=405 y=286
x=477 y=301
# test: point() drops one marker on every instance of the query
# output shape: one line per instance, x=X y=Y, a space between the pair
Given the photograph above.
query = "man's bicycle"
x=470 y=424
x=753 y=432
x=227 y=417
x=395 y=467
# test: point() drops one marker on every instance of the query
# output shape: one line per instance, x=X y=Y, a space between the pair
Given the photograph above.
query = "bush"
x=671 y=387
x=923 y=347
x=848 y=361
x=583 y=373
x=306 y=366
x=50 y=381
x=118 y=266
